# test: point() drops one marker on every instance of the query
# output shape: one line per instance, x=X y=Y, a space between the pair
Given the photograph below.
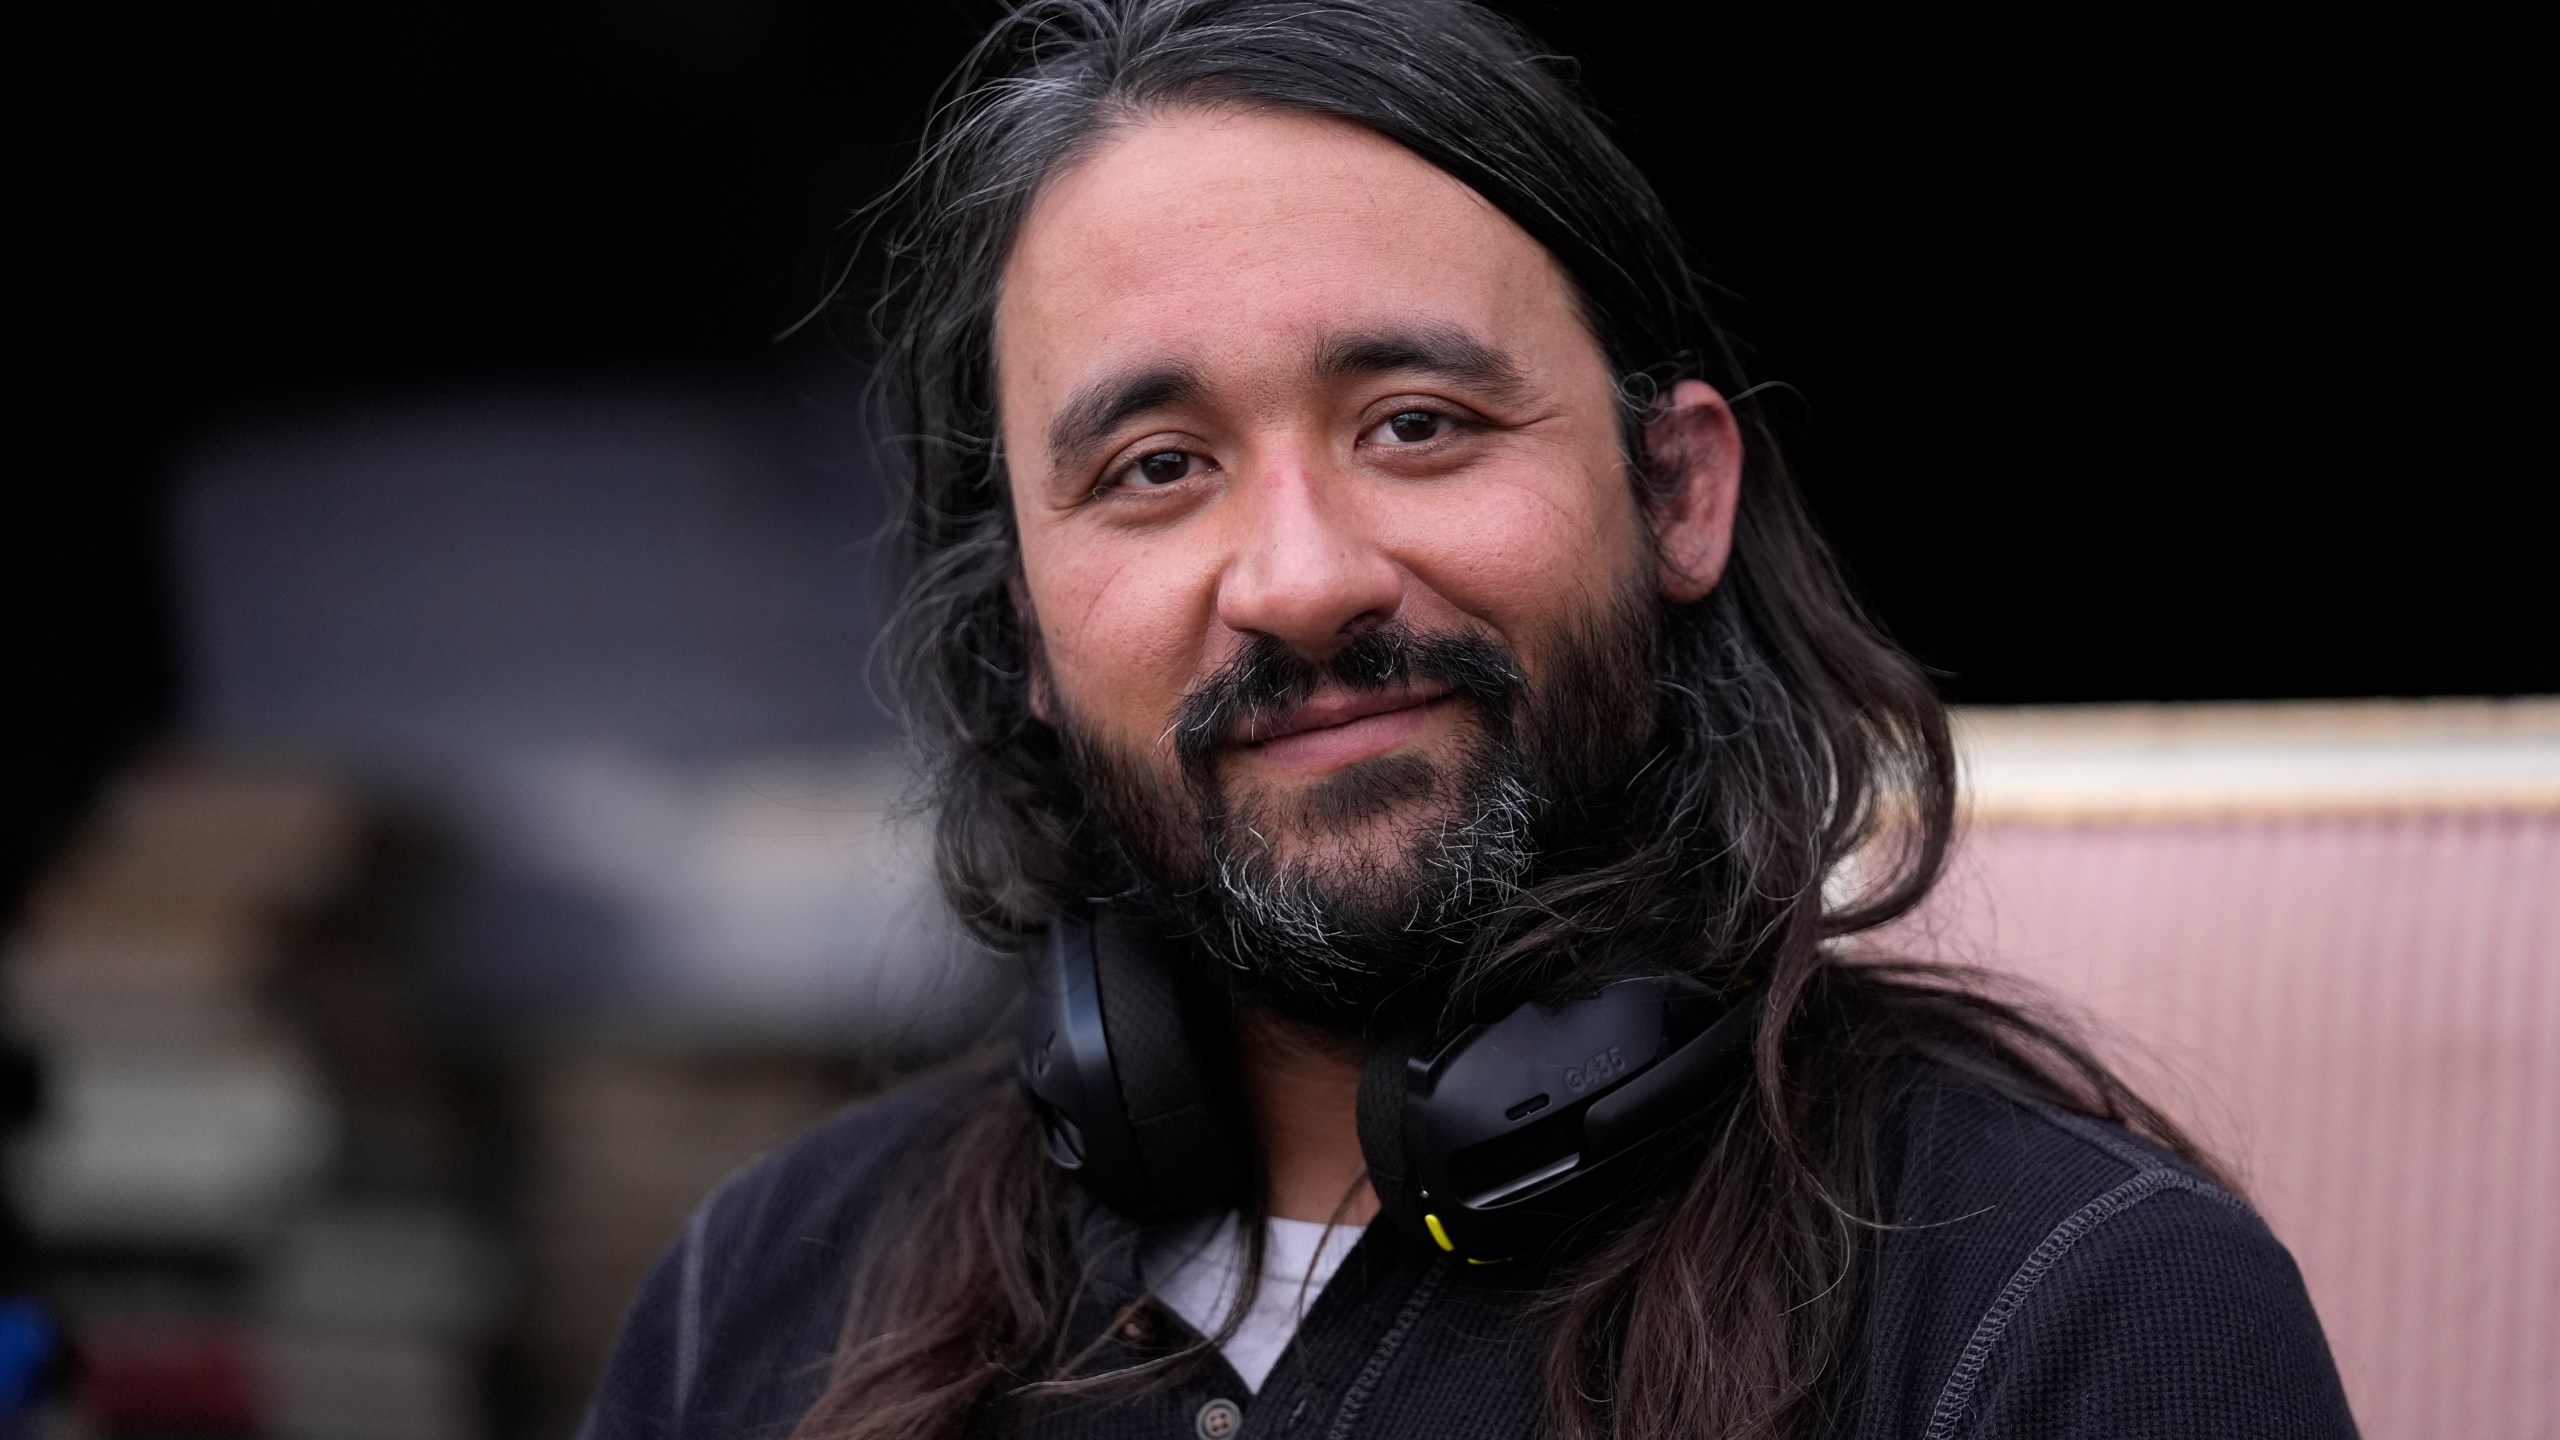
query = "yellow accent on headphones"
x=1432 y=1223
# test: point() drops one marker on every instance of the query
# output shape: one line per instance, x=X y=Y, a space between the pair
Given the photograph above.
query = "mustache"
x=1269 y=678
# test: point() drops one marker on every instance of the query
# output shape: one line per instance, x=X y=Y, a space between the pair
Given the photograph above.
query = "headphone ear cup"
x=1382 y=1134
x=1179 y=1121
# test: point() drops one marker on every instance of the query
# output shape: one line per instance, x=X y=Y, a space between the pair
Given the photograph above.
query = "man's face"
x=1314 y=463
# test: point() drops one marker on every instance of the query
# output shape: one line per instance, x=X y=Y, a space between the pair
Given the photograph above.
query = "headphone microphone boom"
x=1488 y=1144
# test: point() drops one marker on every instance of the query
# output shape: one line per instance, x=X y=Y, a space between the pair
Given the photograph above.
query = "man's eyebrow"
x=1095 y=410
x=1445 y=351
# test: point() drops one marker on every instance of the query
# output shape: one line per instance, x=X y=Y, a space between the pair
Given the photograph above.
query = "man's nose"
x=1305 y=571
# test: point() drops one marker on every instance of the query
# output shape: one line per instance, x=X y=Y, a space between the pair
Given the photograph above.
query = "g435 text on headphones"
x=1487 y=1144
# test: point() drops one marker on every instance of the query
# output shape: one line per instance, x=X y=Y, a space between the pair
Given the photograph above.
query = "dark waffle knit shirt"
x=2046 y=1275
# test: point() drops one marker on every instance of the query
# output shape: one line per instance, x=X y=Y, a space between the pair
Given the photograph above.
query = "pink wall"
x=2362 y=1014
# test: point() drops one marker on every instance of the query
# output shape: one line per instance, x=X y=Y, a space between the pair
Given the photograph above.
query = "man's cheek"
x=1488 y=548
x=1122 y=663
x=1111 y=688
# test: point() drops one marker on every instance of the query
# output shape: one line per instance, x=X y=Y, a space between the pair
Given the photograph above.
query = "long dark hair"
x=1802 y=788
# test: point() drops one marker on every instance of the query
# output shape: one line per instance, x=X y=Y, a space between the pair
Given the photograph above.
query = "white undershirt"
x=1194 y=1273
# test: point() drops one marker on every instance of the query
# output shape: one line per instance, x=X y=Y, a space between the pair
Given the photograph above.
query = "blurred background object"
x=2327 y=938
x=252 y=1176
x=452 y=819
x=611 y=643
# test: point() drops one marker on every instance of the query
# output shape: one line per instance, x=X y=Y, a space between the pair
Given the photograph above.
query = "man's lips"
x=1335 y=728
x=1340 y=707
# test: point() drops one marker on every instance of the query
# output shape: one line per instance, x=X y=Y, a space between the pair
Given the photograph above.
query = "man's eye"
x=1412 y=427
x=1164 y=467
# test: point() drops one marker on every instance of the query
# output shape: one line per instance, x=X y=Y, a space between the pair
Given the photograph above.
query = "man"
x=1344 y=598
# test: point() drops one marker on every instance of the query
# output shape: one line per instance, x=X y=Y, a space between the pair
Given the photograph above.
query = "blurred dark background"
x=2137 y=360
x=401 y=406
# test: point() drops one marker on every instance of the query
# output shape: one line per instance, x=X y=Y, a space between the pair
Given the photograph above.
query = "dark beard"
x=1347 y=944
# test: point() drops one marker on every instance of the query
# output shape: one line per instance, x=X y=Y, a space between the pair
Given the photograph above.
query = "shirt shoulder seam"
x=1955 y=1398
x=688 y=1313
x=751 y=1185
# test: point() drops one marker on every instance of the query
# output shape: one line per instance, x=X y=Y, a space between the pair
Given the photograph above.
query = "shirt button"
x=1218 y=1420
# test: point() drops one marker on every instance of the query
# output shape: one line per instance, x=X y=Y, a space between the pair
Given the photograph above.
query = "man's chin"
x=1368 y=865
x=1379 y=847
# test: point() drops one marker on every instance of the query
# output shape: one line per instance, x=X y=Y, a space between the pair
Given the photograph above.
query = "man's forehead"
x=1178 y=177
x=1192 y=238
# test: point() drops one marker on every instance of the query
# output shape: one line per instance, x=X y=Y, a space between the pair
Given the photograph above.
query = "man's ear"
x=1696 y=452
x=1044 y=703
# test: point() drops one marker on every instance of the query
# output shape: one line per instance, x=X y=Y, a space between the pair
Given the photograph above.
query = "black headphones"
x=1486 y=1145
